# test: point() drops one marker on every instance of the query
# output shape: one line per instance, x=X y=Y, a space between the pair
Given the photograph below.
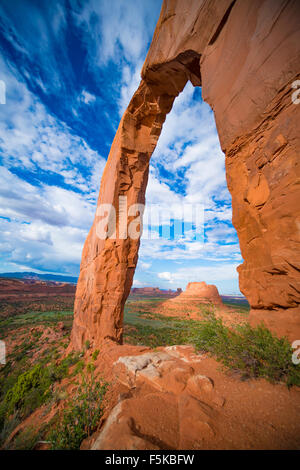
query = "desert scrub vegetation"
x=26 y=439
x=11 y=308
x=23 y=392
x=33 y=365
x=254 y=352
x=81 y=414
x=35 y=318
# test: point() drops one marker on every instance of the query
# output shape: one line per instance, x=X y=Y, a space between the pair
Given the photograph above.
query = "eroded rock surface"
x=246 y=56
x=174 y=398
x=164 y=410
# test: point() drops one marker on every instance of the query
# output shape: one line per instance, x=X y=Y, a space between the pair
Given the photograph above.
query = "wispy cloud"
x=87 y=97
x=33 y=139
x=36 y=31
x=117 y=31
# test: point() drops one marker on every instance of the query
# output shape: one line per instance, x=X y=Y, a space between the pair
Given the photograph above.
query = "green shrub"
x=78 y=368
x=25 y=440
x=95 y=354
x=81 y=415
x=24 y=392
x=7 y=428
x=90 y=367
x=255 y=352
x=30 y=391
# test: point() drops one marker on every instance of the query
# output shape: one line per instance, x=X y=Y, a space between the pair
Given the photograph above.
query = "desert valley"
x=179 y=381
x=172 y=332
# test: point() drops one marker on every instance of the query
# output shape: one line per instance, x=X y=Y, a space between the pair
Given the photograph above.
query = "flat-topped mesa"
x=246 y=56
x=153 y=292
x=199 y=292
x=145 y=290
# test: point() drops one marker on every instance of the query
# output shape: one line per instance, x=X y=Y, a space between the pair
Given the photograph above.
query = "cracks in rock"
x=171 y=15
x=275 y=271
x=281 y=102
x=293 y=266
x=297 y=291
x=111 y=338
x=221 y=24
x=271 y=308
x=283 y=7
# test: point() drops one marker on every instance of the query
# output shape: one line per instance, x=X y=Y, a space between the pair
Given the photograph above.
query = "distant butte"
x=201 y=293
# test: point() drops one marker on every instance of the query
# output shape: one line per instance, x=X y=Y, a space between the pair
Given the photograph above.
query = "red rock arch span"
x=245 y=54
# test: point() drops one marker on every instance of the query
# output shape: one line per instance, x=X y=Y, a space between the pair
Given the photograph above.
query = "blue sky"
x=70 y=68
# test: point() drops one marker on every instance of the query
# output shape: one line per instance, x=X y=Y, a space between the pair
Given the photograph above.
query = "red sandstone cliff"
x=245 y=54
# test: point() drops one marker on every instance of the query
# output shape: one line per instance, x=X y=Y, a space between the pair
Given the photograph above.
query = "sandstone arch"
x=246 y=55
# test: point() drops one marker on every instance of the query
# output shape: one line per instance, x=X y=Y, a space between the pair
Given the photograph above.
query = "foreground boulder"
x=170 y=405
x=174 y=398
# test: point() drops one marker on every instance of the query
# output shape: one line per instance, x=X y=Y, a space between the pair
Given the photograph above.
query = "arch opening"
x=187 y=231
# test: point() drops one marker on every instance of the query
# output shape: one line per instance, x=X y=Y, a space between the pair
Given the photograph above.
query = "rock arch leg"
x=108 y=265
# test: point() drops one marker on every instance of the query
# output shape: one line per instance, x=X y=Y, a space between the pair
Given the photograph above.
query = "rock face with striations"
x=245 y=54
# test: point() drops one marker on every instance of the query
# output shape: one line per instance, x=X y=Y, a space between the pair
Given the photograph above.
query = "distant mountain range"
x=41 y=277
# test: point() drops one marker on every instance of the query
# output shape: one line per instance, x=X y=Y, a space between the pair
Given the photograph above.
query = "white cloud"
x=144 y=266
x=45 y=228
x=137 y=283
x=120 y=30
x=21 y=23
x=166 y=276
x=131 y=77
x=189 y=144
x=189 y=250
x=41 y=246
x=52 y=205
x=223 y=272
x=32 y=139
x=86 y=97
